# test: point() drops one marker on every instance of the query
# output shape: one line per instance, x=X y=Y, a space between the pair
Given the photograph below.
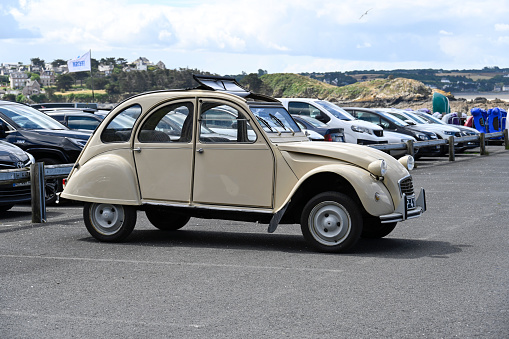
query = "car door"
x=163 y=152
x=234 y=165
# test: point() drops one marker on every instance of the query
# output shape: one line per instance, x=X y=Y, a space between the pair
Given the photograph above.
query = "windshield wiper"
x=280 y=123
x=265 y=123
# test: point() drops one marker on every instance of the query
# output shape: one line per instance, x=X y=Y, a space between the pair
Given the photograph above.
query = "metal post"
x=482 y=143
x=506 y=139
x=38 y=192
x=452 y=155
x=410 y=147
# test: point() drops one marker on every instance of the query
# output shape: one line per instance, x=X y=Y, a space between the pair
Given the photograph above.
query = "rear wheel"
x=165 y=220
x=108 y=222
x=331 y=222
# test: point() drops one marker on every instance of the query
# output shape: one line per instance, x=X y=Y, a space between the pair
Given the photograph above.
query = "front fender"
x=365 y=185
x=106 y=178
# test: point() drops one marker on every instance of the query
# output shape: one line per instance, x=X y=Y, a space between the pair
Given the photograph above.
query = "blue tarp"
x=479 y=119
x=503 y=117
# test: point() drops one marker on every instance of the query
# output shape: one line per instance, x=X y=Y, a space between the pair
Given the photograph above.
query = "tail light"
x=327 y=137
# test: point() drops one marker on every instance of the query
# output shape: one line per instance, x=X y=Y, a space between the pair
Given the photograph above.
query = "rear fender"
x=106 y=178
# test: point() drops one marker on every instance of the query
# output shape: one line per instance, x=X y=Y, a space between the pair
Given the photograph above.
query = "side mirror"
x=410 y=122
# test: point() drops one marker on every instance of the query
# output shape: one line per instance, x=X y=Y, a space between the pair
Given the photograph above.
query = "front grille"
x=378 y=133
x=406 y=186
x=10 y=193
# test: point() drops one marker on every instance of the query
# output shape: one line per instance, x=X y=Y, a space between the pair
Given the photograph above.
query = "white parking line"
x=169 y=263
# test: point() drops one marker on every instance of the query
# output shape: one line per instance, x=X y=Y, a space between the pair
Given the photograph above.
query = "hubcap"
x=329 y=223
x=106 y=218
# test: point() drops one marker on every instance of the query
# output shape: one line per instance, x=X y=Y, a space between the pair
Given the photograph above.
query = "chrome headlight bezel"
x=408 y=162
x=378 y=168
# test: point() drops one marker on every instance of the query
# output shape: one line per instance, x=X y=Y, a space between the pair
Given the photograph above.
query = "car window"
x=119 y=129
x=30 y=118
x=368 y=116
x=224 y=123
x=302 y=108
x=171 y=123
x=76 y=122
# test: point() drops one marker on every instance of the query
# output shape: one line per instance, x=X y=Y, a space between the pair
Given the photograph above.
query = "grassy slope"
x=294 y=85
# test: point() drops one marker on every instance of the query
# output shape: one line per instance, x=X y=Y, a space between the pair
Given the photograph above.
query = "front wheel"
x=108 y=222
x=331 y=222
x=374 y=229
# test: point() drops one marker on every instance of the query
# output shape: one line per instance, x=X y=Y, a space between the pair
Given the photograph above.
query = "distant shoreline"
x=488 y=95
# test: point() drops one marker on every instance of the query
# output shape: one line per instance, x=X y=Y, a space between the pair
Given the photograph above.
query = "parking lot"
x=443 y=275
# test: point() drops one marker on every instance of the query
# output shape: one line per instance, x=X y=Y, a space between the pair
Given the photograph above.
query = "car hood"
x=396 y=137
x=363 y=123
x=438 y=127
x=62 y=133
x=354 y=154
x=11 y=153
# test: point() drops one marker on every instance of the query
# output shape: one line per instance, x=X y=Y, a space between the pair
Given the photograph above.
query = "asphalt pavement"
x=444 y=275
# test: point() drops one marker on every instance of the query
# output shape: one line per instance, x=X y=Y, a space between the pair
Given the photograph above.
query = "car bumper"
x=403 y=212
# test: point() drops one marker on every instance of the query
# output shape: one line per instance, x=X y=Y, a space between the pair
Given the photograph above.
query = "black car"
x=393 y=124
x=13 y=157
x=329 y=134
x=40 y=135
x=75 y=118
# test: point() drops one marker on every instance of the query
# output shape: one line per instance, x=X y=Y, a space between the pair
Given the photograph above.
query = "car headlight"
x=78 y=142
x=378 y=168
x=449 y=132
x=408 y=161
x=421 y=136
x=360 y=129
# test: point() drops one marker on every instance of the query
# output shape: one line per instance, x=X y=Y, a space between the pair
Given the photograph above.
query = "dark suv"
x=40 y=135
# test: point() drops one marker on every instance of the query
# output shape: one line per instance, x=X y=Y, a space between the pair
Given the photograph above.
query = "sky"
x=232 y=36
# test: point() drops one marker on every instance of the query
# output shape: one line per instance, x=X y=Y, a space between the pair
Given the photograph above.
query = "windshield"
x=29 y=118
x=335 y=110
x=430 y=119
x=415 y=118
x=392 y=118
x=275 y=119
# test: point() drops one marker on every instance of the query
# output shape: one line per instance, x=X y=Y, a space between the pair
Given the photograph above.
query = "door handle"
x=137 y=149
x=200 y=150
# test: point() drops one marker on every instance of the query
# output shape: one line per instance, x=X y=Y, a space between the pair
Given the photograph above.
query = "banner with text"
x=80 y=64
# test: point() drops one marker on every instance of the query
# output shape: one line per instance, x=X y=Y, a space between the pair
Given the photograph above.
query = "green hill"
x=294 y=85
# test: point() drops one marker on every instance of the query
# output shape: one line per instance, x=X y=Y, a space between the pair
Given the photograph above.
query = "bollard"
x=452 y=155
x=38 y=192
x=506 y=139
x=410 y=147
x=482 y=143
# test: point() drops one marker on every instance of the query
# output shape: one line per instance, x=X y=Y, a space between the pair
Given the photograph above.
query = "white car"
x=397 y=138
x=356 y=131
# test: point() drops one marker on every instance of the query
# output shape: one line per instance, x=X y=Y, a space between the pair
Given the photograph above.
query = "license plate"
x=17 y=184
x=410 y=203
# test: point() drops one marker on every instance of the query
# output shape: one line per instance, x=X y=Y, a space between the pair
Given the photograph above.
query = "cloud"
x=501 y=27
x=442 y=32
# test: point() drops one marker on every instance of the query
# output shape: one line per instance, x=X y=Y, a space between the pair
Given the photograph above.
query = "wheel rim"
x=107 y=219
x=329 y=223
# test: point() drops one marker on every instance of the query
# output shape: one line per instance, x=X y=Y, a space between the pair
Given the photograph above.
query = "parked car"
x=338 y=192
x=396 y=138
x=442 y=131
x=355 y=131
x=42 y=136
x=465 y=131
x=392 y=124
x=13 y=157
x=311 y=124
x=77 y=119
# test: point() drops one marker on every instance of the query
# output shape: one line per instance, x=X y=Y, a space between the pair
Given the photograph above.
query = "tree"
x=9 y=97
x=37 y=62
x=58 y=62
x=35 y=77
x=64 y=82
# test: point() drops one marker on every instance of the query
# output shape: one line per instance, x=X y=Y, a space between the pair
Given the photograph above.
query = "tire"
x=374 y=229
x=166 y=221
x=331 y=222
x=109 y=223
x=5 y=208
x=51 y=186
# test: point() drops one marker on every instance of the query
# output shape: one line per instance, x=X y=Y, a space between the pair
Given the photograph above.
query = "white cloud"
x=442 y=32
x=501 y=27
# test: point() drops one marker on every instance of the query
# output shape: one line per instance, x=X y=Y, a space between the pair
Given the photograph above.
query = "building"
x=18 y=79
x=47 y=78
x=31 y=88
x=106 y=69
